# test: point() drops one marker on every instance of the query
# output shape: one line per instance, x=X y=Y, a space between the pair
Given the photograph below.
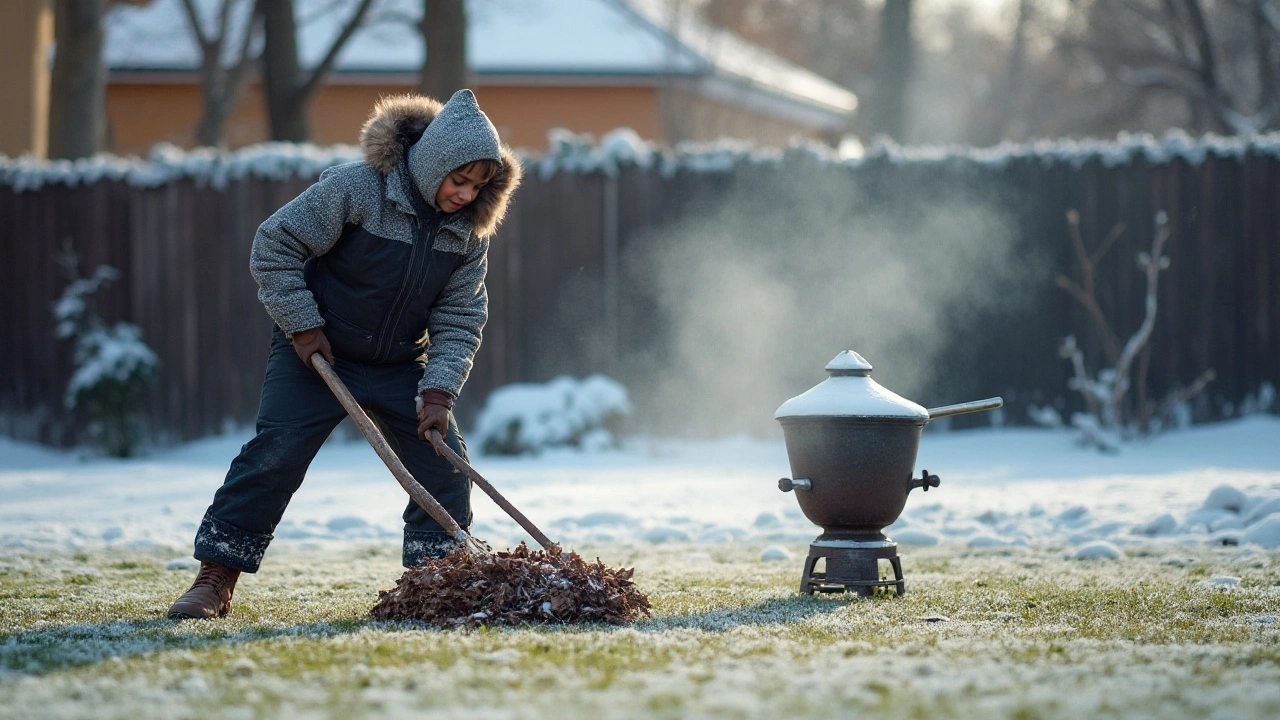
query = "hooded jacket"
x=366 y=253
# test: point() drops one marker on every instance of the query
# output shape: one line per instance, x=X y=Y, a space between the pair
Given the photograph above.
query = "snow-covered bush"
x=113 y=366
x=528 y=417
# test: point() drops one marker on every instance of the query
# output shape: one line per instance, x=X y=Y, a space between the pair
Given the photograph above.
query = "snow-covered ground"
x=999 y=486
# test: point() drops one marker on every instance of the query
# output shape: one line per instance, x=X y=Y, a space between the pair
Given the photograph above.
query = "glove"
x=433 y=413
x=310 y=342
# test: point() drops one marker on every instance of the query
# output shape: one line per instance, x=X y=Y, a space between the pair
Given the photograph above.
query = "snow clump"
x=774 y=552
x=1225 y=497
x=1098 y=551
x=526 y=418
x=1265 y=533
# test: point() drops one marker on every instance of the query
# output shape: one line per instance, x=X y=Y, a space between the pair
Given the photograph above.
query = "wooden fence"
x=575 y=286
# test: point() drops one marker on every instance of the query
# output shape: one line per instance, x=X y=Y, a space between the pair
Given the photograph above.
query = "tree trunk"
x=220 y=85
x=216 y=109
x=288 y=89
x=444 y=29
x=281 y=72
x=888 y=113
x=1010 y=104
x=79 y=79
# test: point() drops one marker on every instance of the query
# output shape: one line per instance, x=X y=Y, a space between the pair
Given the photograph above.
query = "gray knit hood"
x=439 y=139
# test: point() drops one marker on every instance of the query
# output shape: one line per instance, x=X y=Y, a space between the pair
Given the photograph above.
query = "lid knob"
x=848 y=363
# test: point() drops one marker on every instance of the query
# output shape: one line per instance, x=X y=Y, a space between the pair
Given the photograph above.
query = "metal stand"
x=852 y=565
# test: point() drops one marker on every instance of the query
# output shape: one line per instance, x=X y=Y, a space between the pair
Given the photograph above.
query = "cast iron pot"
x=852 y=447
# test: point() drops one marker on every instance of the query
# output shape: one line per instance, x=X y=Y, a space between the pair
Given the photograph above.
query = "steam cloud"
x=752 y=295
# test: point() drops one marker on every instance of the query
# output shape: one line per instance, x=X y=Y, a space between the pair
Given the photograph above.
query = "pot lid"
x=850 y=392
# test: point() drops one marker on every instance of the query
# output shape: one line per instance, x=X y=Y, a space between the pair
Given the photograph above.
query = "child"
x=379 y=267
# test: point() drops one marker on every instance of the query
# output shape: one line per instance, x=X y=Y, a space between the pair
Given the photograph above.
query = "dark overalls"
x=375 y=295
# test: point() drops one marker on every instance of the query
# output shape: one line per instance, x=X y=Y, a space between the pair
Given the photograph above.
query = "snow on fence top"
x=571 y=153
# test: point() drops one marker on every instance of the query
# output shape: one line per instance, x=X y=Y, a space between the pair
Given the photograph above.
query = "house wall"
x=692 y=117
x=142 y=113
x=26 y=32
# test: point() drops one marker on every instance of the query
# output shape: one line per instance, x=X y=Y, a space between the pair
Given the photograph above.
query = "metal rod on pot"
x=968 y=407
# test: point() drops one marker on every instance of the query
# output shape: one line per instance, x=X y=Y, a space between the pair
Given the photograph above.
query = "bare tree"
x=1010 y=95
x=1218 y=56
x=227 y=58
x=444 y=29
x=77 y=116
x=894 y=60
x=288 y=87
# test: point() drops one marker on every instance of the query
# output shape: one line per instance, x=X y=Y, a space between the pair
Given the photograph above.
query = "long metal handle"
x=380 y=446
x=465 y=468
x=961 y=408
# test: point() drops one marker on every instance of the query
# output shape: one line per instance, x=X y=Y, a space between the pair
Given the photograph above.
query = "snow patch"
x=1225 y=497
x=660 y=535
x=773 y=552
x=915 y=537
x=1166 y=524
x=1265 y=533
x=1098 y=551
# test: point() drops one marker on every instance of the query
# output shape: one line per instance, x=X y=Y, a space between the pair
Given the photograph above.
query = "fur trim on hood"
x=396 y=124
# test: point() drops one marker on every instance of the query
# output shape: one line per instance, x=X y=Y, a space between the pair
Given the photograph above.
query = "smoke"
x=740 y=302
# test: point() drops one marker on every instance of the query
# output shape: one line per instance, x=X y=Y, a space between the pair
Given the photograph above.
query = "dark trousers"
x=296 y=415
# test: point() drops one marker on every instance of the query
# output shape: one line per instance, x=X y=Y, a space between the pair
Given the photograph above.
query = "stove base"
x=851 y=565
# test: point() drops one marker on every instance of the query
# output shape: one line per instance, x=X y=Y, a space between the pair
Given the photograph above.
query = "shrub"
x=527 y=417
x=113 y=366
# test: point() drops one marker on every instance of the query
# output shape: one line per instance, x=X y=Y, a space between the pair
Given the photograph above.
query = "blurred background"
x=723 y=193
x=121 y=75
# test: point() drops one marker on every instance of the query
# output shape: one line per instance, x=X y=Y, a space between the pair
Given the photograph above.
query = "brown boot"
x=210 y=594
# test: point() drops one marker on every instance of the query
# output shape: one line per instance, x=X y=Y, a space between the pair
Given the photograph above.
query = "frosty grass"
x=1042 y=582
x=1010 y=632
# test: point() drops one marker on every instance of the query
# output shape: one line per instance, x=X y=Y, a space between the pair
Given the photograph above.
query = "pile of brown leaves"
x=519 y=586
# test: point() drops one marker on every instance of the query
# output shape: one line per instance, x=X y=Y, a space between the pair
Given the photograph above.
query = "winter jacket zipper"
x=415 y=270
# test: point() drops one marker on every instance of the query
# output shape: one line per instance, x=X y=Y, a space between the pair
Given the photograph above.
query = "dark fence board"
x=182 y=249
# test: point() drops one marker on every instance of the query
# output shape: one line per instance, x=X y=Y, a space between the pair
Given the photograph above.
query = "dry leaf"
x=511 y=588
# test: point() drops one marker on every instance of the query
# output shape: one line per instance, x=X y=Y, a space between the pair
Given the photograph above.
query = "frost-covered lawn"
x=1184 y=621
x=1026 y=634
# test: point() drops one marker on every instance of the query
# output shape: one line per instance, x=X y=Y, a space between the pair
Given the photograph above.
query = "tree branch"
x=196 y=29
x=313 y=81
x=1161 y=78
x=1266 y=66
x=1084 y=293
x=245 y=61
x=224 y=19
x=1116 y=231
x=1151 y=265
x=1166 y=406
x=1080 y=379
x=1219 y=101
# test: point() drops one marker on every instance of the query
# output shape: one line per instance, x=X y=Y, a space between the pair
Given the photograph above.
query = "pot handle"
x=787 y=484
x=925 y=481
x=968 y=407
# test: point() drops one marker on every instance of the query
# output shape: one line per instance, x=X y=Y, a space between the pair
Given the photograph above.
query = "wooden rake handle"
x=463 y=467
x=380 y=446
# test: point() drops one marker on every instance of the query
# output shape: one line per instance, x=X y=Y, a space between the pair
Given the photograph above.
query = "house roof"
x=549 y=39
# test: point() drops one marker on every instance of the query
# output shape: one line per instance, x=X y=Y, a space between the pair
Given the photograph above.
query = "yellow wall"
x=142 y=114
x=26 y=33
